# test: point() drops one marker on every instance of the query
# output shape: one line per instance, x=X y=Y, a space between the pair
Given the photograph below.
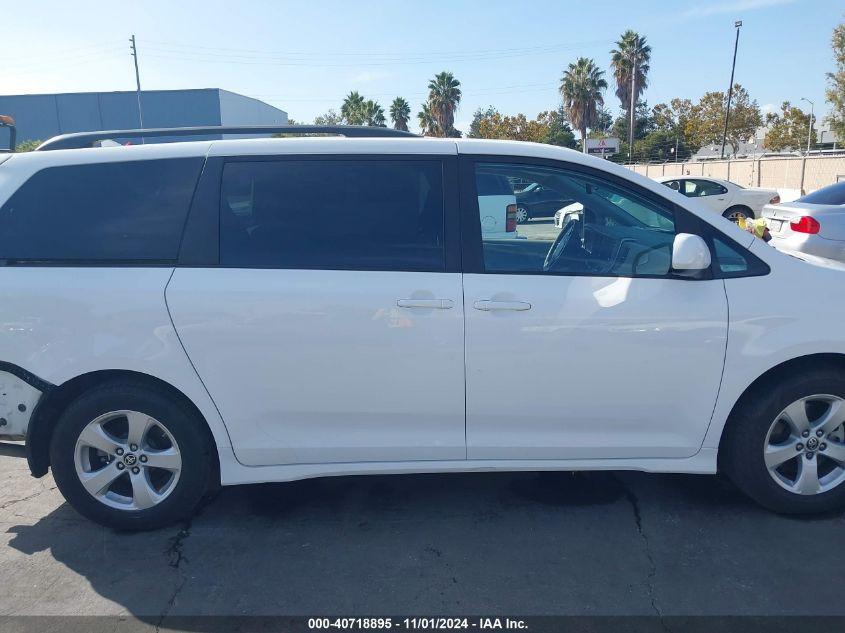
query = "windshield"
x=832 y=194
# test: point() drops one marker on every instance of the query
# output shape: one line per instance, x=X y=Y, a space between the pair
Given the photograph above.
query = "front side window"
x=333 y=214
x=700 y=188
x=103 y=212
x=602 y=228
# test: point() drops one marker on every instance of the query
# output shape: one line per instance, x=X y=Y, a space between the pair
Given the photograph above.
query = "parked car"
x=813 y=224
x=538 y=201
x=496 y=206
x=180 y=316
x=727 y=198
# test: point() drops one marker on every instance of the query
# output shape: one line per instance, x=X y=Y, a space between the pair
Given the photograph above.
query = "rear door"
x=329 y=325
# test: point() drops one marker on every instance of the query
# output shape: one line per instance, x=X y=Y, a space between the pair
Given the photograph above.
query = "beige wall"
x=792 y=173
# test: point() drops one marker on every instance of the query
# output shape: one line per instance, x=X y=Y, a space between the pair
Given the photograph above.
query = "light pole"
x=134 y=50
x=810 y=126
x=737 y=25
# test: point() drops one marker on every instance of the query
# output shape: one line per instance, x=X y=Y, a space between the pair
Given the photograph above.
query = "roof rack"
x=88 y=139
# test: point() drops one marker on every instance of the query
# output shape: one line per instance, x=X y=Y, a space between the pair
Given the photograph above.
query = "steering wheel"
x=559 y=245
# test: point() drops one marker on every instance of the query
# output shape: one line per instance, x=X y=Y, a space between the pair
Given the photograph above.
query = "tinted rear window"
x=333 y=214
x=832 y=194
x=130 y=211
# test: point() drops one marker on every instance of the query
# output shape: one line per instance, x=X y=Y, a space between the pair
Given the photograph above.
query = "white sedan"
x=722 y=196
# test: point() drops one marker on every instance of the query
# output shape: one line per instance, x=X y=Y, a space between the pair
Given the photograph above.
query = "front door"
x=581 y=342
x=332 y=328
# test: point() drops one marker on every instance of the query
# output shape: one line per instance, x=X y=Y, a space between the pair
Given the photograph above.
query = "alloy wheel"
x=521 y=215
x=735 y=216
x=804 y=450
x=127 y=460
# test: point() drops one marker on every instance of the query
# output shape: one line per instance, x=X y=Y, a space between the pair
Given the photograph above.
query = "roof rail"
x=88 y=139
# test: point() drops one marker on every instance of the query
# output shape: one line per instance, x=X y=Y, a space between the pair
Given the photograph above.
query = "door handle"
x=431 y=304
x=487 y=305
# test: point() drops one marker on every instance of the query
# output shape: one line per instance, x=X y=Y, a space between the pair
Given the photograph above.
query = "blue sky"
x=304 y=56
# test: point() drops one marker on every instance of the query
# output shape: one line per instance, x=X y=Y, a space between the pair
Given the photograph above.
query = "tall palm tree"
x=373 y=113
x=444 y=95
x=632 y=56
x=352 y=108
x=428 y=124
x=400 y=113
x=581 y=88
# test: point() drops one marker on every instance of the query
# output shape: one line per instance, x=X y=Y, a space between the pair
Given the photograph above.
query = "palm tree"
x=352 y=109
x=428 y=124
x=400 y=113
x=373 y=113
x=444 y=95
x=581 y=88
x=631 y=52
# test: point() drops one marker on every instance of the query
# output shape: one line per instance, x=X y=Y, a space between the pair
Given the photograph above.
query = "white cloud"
x=768 y=107
x=369 y=76
x=737 y=6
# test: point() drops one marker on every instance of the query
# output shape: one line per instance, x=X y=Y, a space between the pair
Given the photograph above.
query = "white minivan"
x=185 y=315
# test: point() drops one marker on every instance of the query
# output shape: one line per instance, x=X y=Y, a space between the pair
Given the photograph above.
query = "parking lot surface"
x=505 y=543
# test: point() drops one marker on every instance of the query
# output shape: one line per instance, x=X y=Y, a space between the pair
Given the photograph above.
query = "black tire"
x=183 y=423
x=741 y=453
x=738 y=209
x=522 y=207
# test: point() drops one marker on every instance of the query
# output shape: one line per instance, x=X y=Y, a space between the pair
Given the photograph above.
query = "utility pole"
x=634 y=64
x=137 y=82
x=737 y=25
x=810 y=126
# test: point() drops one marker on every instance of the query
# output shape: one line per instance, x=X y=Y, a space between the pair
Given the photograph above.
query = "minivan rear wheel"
x=131 y=456
x=785 y=444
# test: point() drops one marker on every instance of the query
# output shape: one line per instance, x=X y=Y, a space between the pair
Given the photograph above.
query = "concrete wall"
x=790 y=175
x=43 y=116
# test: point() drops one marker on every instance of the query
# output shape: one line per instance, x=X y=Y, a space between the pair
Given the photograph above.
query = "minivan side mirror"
x=690 y=253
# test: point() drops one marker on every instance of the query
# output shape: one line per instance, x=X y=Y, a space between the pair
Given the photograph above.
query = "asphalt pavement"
x=502 y=543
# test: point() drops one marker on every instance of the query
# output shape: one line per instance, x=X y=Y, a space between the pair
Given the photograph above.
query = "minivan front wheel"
x=131 y=457
x=785 y=448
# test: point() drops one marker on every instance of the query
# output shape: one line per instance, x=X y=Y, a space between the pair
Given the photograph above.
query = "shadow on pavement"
x=528 y=543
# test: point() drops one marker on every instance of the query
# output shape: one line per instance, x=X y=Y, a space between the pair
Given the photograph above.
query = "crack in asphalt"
x=9 y=504
x=176 y=556
x=174 y=551
x=632 y=498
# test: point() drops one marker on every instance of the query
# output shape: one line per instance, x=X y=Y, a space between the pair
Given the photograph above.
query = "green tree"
x=631 y=57
x=549 y=127
x=788 y=129
x=643 y=123
x=373 y=114
x=444 y=96
x=352 y=108
x=835 y=92
x=400 y=113
x=658 y=146
x=581 y=87
x=558 y=130
x=428 y=124
x=331 y=117
x=480 y=115
x=27 y=146
x=707 y=119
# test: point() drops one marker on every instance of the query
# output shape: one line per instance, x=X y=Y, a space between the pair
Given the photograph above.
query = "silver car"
x=813 y=224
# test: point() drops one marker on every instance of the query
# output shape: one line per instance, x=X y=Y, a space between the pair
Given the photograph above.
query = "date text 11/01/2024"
x=429 y=623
